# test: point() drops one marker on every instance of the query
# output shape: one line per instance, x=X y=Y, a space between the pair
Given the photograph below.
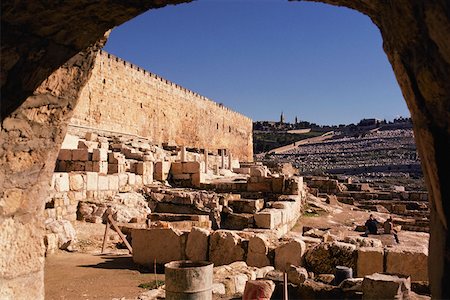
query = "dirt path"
x=93 y=276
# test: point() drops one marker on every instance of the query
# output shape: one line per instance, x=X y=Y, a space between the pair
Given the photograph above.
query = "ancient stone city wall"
x=123 y=98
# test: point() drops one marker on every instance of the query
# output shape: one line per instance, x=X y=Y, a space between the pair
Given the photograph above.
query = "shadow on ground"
x=122 y=262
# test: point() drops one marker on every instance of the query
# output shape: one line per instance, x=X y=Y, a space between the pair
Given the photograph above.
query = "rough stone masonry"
x=153 y=107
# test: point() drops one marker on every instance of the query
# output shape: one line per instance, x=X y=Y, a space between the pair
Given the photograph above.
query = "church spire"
x=282 y=118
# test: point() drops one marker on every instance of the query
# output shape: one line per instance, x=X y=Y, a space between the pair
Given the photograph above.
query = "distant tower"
x=282 y=118
x=296 y=120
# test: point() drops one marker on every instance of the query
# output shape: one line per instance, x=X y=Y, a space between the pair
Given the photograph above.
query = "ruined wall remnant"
x=150 y=106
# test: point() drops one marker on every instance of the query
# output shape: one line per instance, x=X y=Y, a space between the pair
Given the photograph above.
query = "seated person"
x=390 y=229
x=371 y=225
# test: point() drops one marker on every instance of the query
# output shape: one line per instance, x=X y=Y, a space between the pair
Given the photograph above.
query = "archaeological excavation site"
x=118 y=183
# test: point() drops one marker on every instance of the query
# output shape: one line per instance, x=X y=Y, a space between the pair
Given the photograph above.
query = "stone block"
x=297 y=275
x=103 y=183
x=161 y=244
x=191 y=167
x=100 y=167
x=176 y=168
x=76 y=182
x=258 y=289
x=65 y=154
x=91 y=136
x=258 y=248
x=91 y=181
x=89 y=145
x=79 y=165
x=161 y=171
x=181 y=177
x=370 y=261
x=265 y=186
x=80 y=155
x=324 y=257
x=61 y=182
x=197 y=179
x=89 y=166
x=383 y=286
x=289 y=253
x=225 y=247
x=113 y=182
x=131 y=179
x=139 y=181
x=258 y=171
x=246 y=205
x=123 y=179
x=116 y=168
x=408 y=261
x=100 y=154
x=139 y=169
x=245 y=171
x=268 y=218
x=147 y=174
x=278 y=185
x=197 y=245
x=116 y=158
x=234 y=221
x=51 y=243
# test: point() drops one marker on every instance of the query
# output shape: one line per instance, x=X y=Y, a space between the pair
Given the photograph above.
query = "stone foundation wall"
x=147 y=105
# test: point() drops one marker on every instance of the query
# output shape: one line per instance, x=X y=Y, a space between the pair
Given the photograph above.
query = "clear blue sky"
x=324 y=64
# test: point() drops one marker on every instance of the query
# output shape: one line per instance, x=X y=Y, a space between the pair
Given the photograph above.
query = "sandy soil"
x=89 y=276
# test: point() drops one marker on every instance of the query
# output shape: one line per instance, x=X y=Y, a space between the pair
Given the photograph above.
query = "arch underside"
x=47 y=55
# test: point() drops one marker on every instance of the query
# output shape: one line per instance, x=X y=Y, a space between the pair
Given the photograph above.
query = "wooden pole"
x=285 y=286
x=105 y=236
x=117 y=229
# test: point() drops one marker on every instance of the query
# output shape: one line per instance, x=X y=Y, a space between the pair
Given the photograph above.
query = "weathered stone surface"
x=91 y=181
x=197 y=246
x=234 y=277
x=100 y=154
x=268 y=218
x=234 y=221
x=363 y=241
x=370 y=260
x=258 y=248
x=258 y=289
x=352 y=284
x=325 y=278
x=408 y=261
x=289 y=253
x=51 y=243
x=160 y=244
x=296 y=275
x=311 y=289
x=324 y=257
x=382 y=286
x=225 y=247
x=76 y=182
x=246 y=205
x=61 y=182
x=65 y=231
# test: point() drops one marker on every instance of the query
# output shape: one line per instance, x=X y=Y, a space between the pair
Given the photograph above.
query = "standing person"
x=390 y=229
x=371 y=225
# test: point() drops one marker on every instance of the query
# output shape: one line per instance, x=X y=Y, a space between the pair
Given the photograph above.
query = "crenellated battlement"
x=112 y=57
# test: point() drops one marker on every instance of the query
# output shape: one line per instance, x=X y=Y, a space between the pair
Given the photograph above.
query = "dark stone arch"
x=37 y=100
